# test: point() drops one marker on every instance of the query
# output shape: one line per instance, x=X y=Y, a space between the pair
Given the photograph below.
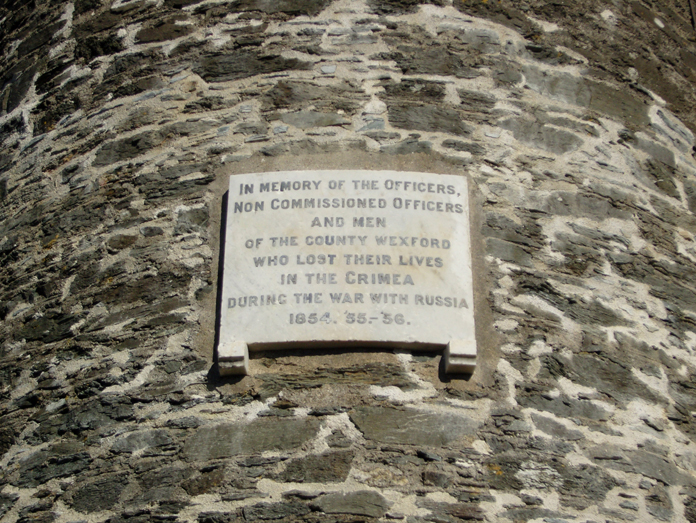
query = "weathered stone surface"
x=476 y=102
x=227 y=440
x=410 y=145
x=392 y=7
x=136 y=64
x=606 y=100
x=585 y=484
x=6 y=502
x=159 y=478
x=467 y=147
x=149 y=232
x=219 y=517
x=190 y=127
x=415 y=90
x=432 y=118
x=643 y=462
x=593 y=95
x=436 y=479
x=272 y=511
x=8 y=128
x=15 y=85
x=543 y=137
x=82 y=6
x=94 y=46
x=602 y=374
x=37 y=39
x=433 y=59
x=167 y=30
x=96 y=24
x=452 y=512
x=562 y=406
x=663 y=177
x=7 y=438
x=657 y=151
x=208 y=103
x=140 y=440
x=251 y=128
x=50 y=328
x=207 y=481
x=411 y=427
x=59 y=461
x=516 y=514
x=289 y=7
x=128 y=148
x=309 y=119
x=192 y=220
x=556 y=429
x=120 y=241
x=510 y=252
x=243 y=64
x=330 y=467
x=178 y=4
x=361 y=503
x=297 y=95
x=592 y=313
x=99 y=495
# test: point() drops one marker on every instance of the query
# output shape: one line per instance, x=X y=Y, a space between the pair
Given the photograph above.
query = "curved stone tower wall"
x=121 y=122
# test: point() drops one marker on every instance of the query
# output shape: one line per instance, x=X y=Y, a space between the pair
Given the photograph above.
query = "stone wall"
x=121 y=121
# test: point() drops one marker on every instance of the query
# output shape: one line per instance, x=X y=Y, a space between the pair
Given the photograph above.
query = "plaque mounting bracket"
x=233 y=358
x=460 y=357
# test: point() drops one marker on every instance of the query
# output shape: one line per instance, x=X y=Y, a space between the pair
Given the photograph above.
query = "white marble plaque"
x=324 y=257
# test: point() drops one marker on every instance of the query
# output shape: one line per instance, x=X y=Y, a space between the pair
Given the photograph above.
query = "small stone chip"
x=629 y=505
x=428 y=456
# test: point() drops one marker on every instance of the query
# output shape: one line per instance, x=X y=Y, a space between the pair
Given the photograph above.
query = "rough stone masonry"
x=121 y=121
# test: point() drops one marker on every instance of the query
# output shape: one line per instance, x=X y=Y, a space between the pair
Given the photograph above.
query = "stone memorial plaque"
x=317 y=258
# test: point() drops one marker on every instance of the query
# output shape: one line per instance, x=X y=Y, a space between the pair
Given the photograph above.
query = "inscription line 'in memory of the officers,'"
x=331 y=257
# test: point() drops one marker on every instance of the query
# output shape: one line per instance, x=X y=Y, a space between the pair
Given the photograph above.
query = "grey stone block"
x=431 y=118
x=556 y=429
x=361 y=503
x=330 y=467
x=271 y=511
x=141 y=440
x=412 y=427
x=551 y=139
x=99 y=495
x=243 y=64
x=509 y=252
x=227 y=440
x=309 y=119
